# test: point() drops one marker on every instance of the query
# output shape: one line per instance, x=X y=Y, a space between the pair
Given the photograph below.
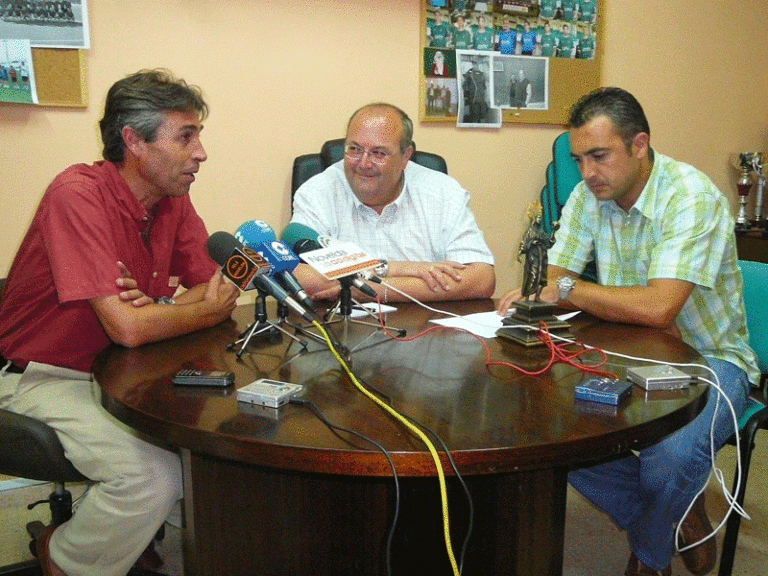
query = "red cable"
x=558 y=352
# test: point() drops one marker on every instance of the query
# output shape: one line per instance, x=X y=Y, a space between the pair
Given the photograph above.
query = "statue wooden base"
x=522 y=327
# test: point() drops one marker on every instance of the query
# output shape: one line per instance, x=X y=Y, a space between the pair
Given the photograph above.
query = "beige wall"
x=282 y=76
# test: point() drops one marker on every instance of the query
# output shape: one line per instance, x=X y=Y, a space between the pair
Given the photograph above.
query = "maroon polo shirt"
x=87 y=221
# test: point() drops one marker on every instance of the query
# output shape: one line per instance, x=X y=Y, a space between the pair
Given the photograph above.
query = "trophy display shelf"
x=752 y=242
x=522 y=326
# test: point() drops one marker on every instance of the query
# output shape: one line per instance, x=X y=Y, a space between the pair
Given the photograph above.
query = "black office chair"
x=308 y=165
x=31 y=449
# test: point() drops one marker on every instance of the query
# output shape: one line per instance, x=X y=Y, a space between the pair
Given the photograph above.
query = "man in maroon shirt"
x=108 y=241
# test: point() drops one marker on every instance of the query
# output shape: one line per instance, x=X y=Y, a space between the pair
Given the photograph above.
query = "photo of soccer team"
x=551 y=28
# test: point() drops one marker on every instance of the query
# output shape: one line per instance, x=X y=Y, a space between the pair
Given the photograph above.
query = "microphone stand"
x=343 y=308
x=262 y=325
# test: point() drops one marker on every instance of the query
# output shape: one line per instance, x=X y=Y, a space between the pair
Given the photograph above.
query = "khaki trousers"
x=135 y=483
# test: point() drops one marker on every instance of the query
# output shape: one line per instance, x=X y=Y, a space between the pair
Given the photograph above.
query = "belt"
x=13 y=369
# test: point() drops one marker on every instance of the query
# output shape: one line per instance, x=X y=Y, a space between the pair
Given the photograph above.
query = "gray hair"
x=141 y=101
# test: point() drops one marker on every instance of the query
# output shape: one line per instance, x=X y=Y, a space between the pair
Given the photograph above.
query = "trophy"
x=757 y=166
x=746 y=163
x=523 y=325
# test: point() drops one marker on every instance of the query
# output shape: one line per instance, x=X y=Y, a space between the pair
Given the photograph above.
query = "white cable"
x=390 y=287
x=730 y=498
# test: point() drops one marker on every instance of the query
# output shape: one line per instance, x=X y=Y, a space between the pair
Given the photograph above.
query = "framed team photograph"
x=46 y=23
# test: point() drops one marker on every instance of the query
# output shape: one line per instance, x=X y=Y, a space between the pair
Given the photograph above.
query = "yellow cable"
x=417 y=432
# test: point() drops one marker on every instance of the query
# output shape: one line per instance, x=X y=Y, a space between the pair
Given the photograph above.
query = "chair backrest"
x=755 y=276
x=562 y=176
x=308 y=165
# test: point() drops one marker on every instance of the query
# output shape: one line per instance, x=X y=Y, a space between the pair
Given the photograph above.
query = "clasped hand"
x=436 y=275
x=221 y=294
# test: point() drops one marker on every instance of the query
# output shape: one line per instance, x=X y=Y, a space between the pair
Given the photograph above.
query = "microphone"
x=260 y=236
x=301 y=238
x=255 y=232
x=249 y=269
x=241 y=265
x=283 y=263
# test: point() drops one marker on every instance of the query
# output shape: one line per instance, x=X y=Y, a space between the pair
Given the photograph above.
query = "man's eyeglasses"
x=376 y=156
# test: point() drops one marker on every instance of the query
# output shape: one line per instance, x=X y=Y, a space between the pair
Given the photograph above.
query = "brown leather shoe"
x=149 y=560
x=42 y=545
x=701 y=559
x=637 y=568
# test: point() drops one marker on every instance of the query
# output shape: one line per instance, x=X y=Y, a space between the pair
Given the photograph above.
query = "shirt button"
x=154 y=274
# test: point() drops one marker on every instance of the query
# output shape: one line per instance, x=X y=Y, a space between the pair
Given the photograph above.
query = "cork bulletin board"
x=504 y=61
x=60 y=77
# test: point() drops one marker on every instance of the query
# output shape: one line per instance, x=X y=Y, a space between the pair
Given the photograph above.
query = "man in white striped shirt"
x=416 y=219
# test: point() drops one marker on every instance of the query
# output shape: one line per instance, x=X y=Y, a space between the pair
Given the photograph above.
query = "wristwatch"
x=382 y=269
x=165 y=300
x=565 y=284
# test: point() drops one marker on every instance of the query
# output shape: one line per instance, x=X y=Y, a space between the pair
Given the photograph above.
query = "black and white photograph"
x=46 y=23
x=520 y=82
x=475 y=90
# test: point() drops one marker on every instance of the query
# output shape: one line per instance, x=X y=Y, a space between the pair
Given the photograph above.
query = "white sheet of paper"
x=484 y=324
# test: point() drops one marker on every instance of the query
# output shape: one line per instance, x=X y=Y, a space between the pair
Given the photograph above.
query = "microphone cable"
x=559 y=352
x=319 y=414
x=459 y=477
x=417 y=432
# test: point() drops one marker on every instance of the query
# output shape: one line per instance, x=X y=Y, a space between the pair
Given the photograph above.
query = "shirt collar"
x=647 y=199
x=127 y=198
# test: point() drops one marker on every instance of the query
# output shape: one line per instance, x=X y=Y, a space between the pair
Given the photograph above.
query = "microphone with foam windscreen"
x=248 y=269
x=260 y=236
x=255 y=232
x=301 y=239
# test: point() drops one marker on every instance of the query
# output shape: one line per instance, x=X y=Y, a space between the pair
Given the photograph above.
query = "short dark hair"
x=407 y=124
x=618 y=105
x=141 y=101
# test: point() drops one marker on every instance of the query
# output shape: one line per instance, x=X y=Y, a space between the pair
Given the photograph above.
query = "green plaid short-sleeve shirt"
x=681 y=228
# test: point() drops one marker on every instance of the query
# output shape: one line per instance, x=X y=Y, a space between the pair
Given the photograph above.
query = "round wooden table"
x=276 y=492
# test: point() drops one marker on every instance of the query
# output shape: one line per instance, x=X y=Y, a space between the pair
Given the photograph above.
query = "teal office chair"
x=756 y=415
x=562 y=176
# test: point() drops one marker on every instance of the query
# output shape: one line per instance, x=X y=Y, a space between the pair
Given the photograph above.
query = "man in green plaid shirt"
x=662 y=236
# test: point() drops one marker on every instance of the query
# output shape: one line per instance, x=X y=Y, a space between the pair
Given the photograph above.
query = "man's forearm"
x=194 y=294
x=657 y=304
x=476 y=281
x=132 y=326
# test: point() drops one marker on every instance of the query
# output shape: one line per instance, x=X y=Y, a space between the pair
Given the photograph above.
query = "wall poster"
x=485 y=63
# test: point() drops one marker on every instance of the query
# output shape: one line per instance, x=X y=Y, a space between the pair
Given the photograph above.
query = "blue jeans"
x=647 y=494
